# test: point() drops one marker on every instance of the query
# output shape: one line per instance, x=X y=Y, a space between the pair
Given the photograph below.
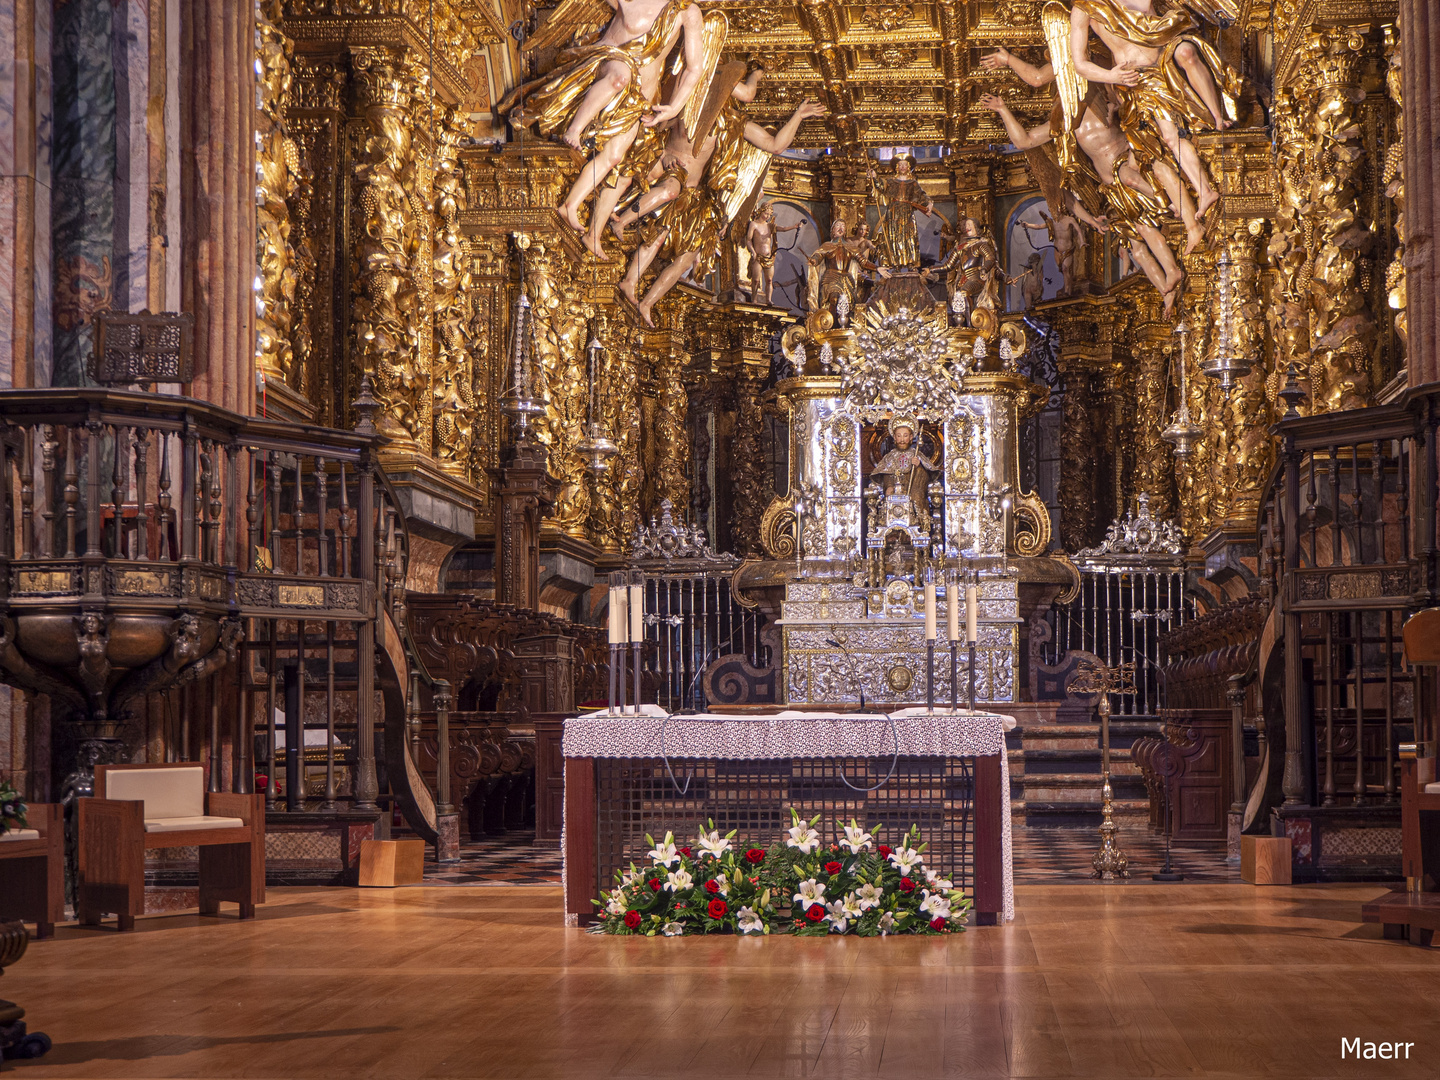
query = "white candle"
x=637 y=611
x=617 y=607
x=930 y=605
x=972 y=614
x=611 y=613
x=952 y=608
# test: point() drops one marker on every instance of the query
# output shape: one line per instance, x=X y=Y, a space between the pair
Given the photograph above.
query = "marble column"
x=25 y=116
x=217 y=117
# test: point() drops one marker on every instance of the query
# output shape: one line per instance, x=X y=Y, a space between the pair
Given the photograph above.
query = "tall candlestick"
x=952 y=606
x=930 y=620
x=637 y=628
x=972 y=613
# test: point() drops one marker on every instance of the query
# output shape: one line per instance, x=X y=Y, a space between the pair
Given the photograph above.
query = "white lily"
x=803 y=837
x=616 y=906
x=886 y=923
x=713 y=844
x=673 y=929
x=839 y=920
x=677 y=880
x=935 y=881
x=664 y=853
x=856 y=838
x=935 y=905
x=749 y=922
x=905 y=859
x=853 y=910
x=811 y=892
x=869 y=896
x=723 y=883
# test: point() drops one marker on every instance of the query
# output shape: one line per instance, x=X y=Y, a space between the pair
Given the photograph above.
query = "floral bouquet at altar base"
x=857 y=886
x=12 y=808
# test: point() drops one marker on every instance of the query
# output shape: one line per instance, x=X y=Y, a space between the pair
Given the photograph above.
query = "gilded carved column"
x=453 y=383
x=1246 y=419
x=1393 y=177
x=1154 y=460
x=749 y=486
x=1288 y=315
x=1077 y=464
x=278 y=181
x=670 y=433
x=1342 y=327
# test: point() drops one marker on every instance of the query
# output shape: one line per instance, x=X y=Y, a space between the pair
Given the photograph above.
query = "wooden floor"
x=1109 y=981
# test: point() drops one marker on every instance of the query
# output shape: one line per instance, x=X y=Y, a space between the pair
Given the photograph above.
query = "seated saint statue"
x=905 y=472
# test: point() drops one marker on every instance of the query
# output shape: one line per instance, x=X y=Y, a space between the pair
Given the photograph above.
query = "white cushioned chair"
x=159 y=806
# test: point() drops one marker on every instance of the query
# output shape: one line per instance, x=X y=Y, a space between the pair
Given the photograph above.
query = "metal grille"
x=636 y=797
x=694 y=620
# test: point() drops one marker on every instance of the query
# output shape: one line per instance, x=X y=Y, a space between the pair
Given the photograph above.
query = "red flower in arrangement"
x=654 y=884
x=717 y=909
x=833 y=868
x=906 y=885
x=632 y=919
x=685 y=851
x=937 y=924
x=755 y=856
x=712 y=886
x=885 y=852
x=815 y=912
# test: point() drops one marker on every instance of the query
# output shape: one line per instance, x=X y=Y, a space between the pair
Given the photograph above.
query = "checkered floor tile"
x=1042 y=857
x=512 y=859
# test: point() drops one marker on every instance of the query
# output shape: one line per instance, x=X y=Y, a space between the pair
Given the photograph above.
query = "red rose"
x=937 y=924
x=755 y=856
x=632 y=919
x=885 y=852
x=717 y=909
x=685 y=851
x=833 y=868
x=654 y=884
x=712 y=886
x=906 y=885
x=816 y=912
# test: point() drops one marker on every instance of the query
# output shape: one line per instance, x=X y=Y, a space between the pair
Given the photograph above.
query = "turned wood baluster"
x=1358 y=622
x=366 y=784
x=27 y=497
x=1329 y=799
x=252 y=514
x=7 y=510
x=1312 y=510
x=273 y=459
x=72 y=493
x=118 y=475
x=215 y=760
x=343 y=523
x=270 y=671
x=142 y=519
x=1377 y=476
x=243 y=782
x=49 y=444
x=232 y=505
x=192 y=501
x=321 y=492
x=164 y=501
x=1335 y=544
x=1404 y=475
x=1357 y=558
x=202 y=486
x=93 y=431
x=212 y=523
x=299 y=517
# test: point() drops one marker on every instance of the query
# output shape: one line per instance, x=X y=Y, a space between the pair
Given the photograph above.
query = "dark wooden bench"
x=32 y=870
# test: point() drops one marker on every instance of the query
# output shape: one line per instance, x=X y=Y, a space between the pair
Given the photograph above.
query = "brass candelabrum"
x=1098 y=678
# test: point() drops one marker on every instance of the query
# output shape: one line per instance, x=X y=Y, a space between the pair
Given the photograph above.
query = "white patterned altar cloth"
x=797 y=734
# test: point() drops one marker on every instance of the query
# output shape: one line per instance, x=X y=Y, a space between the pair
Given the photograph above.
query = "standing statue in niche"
x=834 y=270
x=1031 y=281
x=899 y=198
x=905 y=472
x=1068 y=239
x=760 y=242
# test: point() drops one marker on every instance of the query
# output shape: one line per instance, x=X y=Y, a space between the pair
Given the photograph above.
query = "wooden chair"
x=160 y=806
x=32 y=870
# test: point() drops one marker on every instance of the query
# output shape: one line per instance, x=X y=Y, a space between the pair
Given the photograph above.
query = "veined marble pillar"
x=25 y=276
x=217 y=116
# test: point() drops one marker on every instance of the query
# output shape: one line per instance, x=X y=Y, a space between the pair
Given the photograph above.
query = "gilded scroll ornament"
x=455 y=406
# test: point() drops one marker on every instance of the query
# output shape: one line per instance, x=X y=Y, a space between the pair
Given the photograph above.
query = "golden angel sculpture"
x=604 y=93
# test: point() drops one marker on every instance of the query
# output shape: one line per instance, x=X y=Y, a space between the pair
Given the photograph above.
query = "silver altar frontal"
x=904 y=463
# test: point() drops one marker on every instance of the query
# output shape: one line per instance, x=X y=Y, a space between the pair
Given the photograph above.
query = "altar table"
x=626 y=775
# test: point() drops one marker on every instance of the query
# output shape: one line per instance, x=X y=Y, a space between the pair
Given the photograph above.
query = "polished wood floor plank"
x=1095 y=982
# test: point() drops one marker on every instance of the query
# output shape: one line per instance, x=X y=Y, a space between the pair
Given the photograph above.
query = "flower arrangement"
x=796 y=886
x=12 y=808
